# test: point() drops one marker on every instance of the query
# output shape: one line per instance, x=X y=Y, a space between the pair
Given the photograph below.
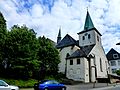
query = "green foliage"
x=118 y=72
x=24 y=56
x=3 y=32
x=21 y=83
x=49 y=57
x=22 y=47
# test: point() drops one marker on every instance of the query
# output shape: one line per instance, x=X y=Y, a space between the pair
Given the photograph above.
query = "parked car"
x=49 y=85
x=5 y=86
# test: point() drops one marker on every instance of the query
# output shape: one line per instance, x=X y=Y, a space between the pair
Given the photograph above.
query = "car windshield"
x=49 y=82
x=2 y=83
x=43 y=81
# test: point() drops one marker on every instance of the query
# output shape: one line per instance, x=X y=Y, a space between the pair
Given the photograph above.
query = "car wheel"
x=63 y=88
x=46 y=89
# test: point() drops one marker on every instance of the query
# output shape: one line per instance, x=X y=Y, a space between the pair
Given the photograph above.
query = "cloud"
x=47 y=16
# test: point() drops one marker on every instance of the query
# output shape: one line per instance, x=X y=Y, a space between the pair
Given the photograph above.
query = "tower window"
x=88 y=36
x=71 y=62
x=83 y=37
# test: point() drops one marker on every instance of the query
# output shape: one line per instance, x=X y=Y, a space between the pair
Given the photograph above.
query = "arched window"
x=67 y=55
x=101 y=65
x=88 y=36
x=83 y=37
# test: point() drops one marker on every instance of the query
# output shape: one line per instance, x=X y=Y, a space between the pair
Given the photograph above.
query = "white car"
x=5 y=86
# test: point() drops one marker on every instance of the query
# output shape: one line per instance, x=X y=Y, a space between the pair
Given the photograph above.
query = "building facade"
x=114 y=60
x=83 y=60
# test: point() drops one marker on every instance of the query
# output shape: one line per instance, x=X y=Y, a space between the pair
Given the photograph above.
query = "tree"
x=22 y=47
x=49 y=57
x=3 y=33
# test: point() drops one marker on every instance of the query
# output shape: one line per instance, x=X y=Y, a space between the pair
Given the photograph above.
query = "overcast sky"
x=47 y=16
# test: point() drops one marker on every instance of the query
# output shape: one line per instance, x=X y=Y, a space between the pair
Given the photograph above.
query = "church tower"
x=90 y=35
x=59 y=36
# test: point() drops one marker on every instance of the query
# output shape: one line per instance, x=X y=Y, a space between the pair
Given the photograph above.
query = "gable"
x=113 y=55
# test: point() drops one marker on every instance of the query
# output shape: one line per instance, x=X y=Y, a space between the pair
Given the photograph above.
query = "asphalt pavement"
x=92 y=86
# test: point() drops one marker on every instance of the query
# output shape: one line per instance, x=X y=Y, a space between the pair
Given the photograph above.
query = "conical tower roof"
x=59 y=36
x=88 y=22
x=88 y=26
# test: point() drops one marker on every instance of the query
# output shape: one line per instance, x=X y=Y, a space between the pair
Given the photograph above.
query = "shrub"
x=21 y=83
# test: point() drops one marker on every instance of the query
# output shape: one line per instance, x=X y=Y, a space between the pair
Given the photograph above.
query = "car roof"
x=42 y=81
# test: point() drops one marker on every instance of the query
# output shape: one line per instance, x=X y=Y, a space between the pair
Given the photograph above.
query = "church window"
x=71 y=62
x=98 y=38
x=78 y=61
x=115 y=56
x=67 y=55
x=88 y=36
x=83 y=37
x=101 y=65
x=113 y=63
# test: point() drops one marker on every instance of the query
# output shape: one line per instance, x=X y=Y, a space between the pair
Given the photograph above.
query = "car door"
x=4 y=88
x=4 y=85
x=51 y=85
x=56 y=85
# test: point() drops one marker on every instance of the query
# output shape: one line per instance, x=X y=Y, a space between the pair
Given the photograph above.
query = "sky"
x=47 y=16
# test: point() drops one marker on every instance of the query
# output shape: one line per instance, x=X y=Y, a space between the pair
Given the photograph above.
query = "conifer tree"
x=3 y=33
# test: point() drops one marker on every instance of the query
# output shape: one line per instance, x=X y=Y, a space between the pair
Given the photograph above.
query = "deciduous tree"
x=49 y=57
x=22 y=46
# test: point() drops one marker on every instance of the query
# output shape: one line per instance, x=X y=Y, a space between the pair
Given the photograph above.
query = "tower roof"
x=88 y=26
x=88 y=22
x=59 y=34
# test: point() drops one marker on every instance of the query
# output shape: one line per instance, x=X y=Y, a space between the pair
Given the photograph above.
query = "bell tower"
x=90 y=35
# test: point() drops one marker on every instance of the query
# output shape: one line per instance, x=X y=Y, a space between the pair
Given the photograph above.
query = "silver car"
x=5 y=86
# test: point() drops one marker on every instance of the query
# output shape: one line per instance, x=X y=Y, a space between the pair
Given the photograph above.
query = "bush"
x=118 y=72
x=21 y=83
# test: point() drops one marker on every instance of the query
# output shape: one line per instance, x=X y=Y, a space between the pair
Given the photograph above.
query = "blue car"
x=49 y=85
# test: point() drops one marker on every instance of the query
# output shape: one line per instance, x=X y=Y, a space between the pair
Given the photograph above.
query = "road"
x=100 y=86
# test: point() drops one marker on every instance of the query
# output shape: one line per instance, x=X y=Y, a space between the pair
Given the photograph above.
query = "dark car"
x=49 y=85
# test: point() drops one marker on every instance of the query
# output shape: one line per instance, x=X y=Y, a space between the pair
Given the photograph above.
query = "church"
x=84 y=59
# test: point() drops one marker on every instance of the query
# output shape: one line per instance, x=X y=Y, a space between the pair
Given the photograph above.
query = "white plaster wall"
x=87 y=41
x=99 y=53
x=63 y=54
x=78 y=72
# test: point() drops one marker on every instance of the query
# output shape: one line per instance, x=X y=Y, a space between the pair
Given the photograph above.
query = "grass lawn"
x=26 y=89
